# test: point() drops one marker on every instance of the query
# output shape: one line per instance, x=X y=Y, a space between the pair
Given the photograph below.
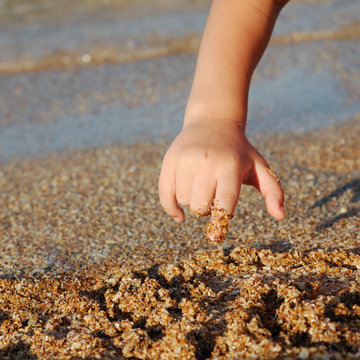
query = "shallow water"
x=89 y=73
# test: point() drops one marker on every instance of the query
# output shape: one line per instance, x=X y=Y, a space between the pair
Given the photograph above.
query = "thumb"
x=270 y=187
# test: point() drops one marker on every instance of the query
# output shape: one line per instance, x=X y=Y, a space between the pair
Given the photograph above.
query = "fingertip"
x=171 y=207
x=275 y=206
x=179 y=218
x=176 y=213
x=282 y=213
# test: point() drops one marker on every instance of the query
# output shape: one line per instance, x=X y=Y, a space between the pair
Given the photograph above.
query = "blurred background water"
x=78 y=74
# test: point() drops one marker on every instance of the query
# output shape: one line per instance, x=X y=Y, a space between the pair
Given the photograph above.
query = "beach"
x=92 y=267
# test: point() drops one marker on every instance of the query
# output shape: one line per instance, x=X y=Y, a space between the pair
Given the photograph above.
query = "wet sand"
x=91 y=267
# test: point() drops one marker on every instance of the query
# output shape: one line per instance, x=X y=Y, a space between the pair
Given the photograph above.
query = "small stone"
x=75 y=345
x=86 y=58
x=33 y=320
x=304 y=354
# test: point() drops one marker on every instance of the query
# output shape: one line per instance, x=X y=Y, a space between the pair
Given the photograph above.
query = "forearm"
x=236 y=35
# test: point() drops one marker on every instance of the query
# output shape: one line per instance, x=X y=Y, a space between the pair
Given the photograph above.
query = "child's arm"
x=211 y=156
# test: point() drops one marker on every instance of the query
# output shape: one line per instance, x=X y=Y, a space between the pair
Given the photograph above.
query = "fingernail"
x=177 y=219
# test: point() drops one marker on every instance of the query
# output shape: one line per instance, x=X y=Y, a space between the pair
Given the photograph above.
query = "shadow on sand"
x=354 y=187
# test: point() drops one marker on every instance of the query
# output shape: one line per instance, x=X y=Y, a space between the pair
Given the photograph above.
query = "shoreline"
x=157 y=48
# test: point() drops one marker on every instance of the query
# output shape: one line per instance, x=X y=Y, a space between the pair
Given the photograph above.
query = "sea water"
x=78 y=74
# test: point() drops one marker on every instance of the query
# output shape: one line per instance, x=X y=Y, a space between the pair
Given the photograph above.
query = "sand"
x=92 y=268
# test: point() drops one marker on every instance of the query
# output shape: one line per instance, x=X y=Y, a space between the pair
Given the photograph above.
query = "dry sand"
x=91 y=267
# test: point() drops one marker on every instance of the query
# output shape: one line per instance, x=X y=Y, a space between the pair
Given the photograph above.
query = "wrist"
x=209 y=124
x=207 y=112
x=216 y=102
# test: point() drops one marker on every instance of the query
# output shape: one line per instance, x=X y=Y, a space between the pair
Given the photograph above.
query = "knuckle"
x=228 y=196
x=169 y=157
x=231 y=162
x=198 y=155
x=205 y=156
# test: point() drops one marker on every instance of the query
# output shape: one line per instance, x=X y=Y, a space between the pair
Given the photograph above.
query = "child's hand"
x=211 y=157
x=207 y=163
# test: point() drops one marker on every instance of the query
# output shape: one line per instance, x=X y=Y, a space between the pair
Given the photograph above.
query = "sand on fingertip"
x=91 y=267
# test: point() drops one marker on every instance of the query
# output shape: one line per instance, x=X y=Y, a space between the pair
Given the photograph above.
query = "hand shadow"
x=353 y=186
